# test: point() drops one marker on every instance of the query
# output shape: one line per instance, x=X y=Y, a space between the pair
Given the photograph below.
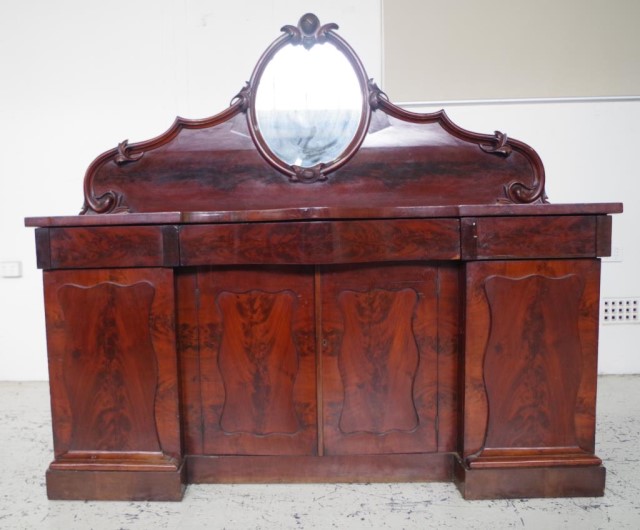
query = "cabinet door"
x=257 y=348
x=113 y=367
x=379 y=359
x=530 y=362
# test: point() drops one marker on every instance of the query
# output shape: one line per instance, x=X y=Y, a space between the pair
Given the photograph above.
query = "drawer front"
x=320 y=242
x=529 y=237
x=113 y=246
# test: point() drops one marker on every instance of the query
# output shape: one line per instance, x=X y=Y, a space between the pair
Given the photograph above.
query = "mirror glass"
x=308 y=104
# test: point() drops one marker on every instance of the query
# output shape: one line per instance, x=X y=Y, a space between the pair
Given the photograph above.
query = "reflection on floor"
x=25 y=442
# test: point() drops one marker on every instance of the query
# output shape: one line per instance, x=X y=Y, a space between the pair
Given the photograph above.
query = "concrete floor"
x=25 y=442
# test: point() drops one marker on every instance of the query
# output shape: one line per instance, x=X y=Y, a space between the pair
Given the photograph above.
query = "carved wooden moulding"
x=311 y=130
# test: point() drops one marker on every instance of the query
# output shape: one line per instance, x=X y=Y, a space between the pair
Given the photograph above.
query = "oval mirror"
x=309 y=109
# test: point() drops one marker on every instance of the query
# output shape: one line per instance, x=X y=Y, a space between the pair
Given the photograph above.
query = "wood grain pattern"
x=449 y=363
x=531 y=334
x=99 y=247
x=406 y=158
x=113 y=372
x=43 y=248
x=416 y=467
x=116 y=485
x=603 y=235
x=378 y=360
x=528 y=482
x=188 y=346
x=109 y=366
x=533 y=342
x=529 y=237
x=361 y=210
x=257 y=361
x=379 y=337
x=319 y=242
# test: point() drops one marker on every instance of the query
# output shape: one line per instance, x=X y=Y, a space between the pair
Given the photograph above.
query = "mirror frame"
x=307 y=33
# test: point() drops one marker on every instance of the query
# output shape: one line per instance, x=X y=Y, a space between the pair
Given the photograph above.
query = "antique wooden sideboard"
x=322 y=292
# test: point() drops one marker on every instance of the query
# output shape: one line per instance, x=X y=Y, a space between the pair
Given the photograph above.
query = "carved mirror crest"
x=308 y=104
x=308 y=107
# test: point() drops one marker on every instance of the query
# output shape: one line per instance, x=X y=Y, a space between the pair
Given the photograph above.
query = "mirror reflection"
x=308 y=104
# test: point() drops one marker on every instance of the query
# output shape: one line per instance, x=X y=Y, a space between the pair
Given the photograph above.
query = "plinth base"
x=116 y=485
x=530 y=482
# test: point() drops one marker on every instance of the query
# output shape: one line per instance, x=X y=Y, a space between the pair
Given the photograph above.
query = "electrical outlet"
x=11 y=269
x=620 y=311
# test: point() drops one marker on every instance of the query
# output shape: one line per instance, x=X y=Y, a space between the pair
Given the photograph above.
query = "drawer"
x=109 y=246
x=320 y=242
x=530 y=237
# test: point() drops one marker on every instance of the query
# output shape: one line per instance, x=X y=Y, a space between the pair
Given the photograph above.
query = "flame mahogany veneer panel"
x=257 y=361
x=531 y=345
x=244 y=394
x=257 y=346
x=110 y=372
x=113 y=368
x=379 y=359
x=319 y=242
x=553 y=236
x=530 y=362
x=115 y=246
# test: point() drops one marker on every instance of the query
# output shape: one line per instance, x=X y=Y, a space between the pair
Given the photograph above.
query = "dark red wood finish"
x=379 y=359
x=257 y=361
x=531 y=334
x=414 y=467
x=320 y=242
x=114 y=378
x=414 y=310
x=530 y=237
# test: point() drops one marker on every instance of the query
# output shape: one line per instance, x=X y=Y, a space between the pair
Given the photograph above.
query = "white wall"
x=506 y=49
x=79 y=76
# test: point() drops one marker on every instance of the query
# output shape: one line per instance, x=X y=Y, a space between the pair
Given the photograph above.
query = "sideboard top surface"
x=324 y=213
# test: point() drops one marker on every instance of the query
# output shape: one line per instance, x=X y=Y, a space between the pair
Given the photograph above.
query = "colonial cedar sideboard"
x=352 y=292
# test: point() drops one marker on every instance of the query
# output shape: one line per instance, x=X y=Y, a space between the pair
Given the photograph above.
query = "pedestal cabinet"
x=242 y=301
